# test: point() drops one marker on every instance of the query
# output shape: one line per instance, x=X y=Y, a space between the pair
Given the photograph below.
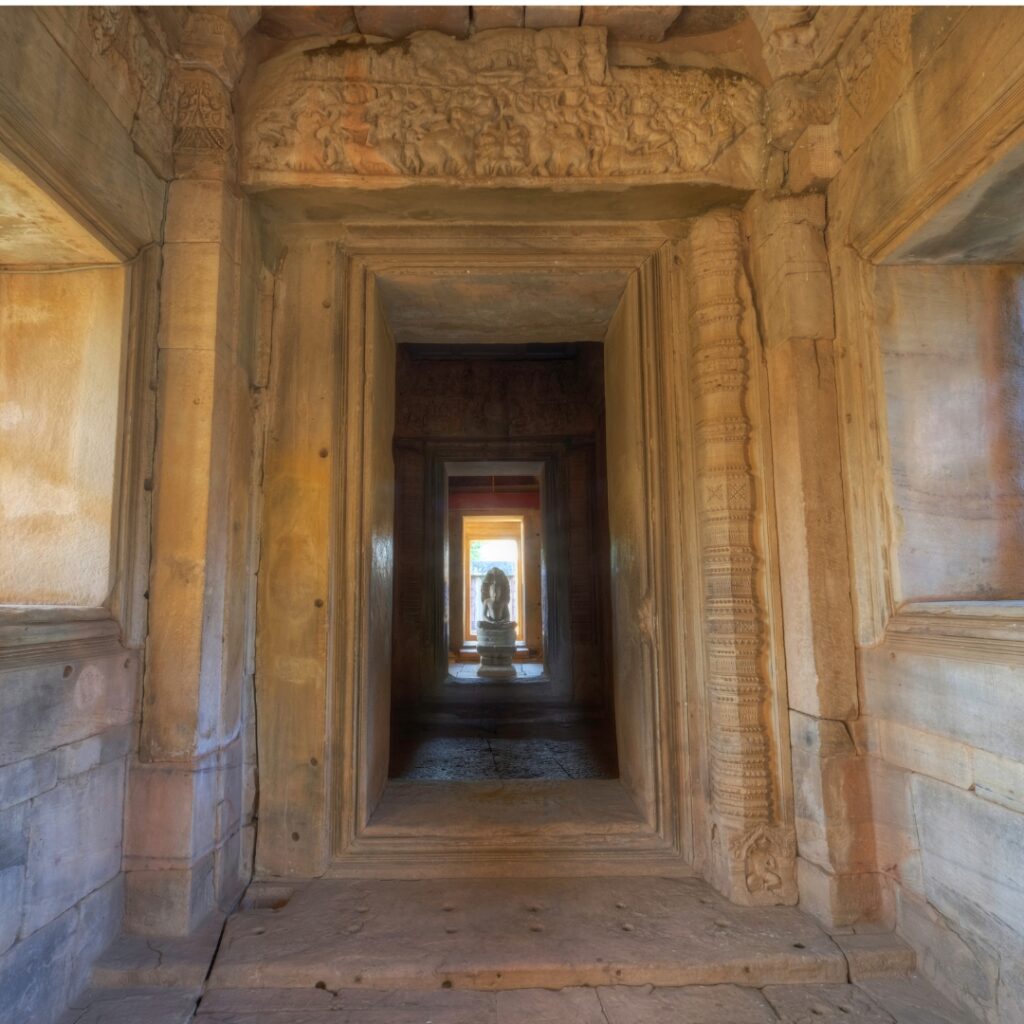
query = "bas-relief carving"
x=752 y=856
x=203 y=116
x=508 y=103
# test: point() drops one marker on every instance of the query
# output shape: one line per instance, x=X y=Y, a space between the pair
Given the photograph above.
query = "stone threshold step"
x=495 y=934
x=905 y=1001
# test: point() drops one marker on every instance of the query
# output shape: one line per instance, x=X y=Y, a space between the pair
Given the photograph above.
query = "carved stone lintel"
x=748 y=853
x=505 y=104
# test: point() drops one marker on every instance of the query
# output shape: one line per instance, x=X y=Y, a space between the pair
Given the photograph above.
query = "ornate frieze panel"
x=752 y=855
x=510 y=103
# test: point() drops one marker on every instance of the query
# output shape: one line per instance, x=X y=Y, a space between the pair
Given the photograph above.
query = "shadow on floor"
x=502 y=742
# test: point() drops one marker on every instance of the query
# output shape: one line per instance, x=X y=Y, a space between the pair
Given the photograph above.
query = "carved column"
x=834 y=827
x=184 y=831
x=751 y=857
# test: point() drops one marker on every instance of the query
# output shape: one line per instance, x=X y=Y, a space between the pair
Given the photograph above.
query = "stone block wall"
x=921 y=106
x=944 y=739
x=69 y=729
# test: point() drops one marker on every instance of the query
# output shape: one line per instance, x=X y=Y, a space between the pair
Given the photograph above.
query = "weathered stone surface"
x=297 y=22
x=719 y=1003
x=972 y=851
x=34 y=974
x=397 y=22
x=42 y=708
x=12 y=885
x=59 y=460
x=998 y=779
x=75 y=842
x=926 y=753
x=59 y=117
x=639 y=22
x=303 y=113
x=100 y=916
x=912 y=1001
x=551 y=1006
x=947 y=334
x=488 y=17
x=540 y=17
x=130 y=1006
x=798 y=102
x=135 y=961
x=839 y=900
x=815 y=158
x=874 y=69
x=966 y=972
x=25 y=779
x=972 y=702
x=876 y=955
x=827 y=1004
x=109 y=745
x=547 y=932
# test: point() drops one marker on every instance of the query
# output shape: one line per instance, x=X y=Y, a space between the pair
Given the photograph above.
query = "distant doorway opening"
x=524 y=495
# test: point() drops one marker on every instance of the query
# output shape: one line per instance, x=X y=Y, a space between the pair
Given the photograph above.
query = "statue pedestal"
x=496 y=643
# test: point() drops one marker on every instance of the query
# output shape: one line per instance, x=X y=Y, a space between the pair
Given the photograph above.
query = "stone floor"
x=555 y=951
x=488 y=747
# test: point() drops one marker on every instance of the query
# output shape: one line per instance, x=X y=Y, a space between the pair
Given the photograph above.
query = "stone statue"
x=495 y=592
x=495 y=633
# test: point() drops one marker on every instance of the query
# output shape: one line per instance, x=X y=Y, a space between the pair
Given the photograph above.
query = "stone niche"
x=509 y=106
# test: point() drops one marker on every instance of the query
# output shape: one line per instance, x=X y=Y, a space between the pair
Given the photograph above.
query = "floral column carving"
x=751 y=854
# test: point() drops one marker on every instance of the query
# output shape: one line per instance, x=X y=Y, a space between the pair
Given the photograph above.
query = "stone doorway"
x=346 y=299
x=500 y=456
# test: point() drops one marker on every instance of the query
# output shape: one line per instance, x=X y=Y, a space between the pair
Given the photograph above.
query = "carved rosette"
x=752 y=858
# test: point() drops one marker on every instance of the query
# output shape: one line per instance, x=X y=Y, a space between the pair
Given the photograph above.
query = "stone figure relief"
x=505 y=103
x=496 y=593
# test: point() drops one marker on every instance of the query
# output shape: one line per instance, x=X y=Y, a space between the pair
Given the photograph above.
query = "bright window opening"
x=491 y=542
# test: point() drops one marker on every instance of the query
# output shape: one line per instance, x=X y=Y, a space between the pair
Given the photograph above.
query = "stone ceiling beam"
x=553 y=17
x=640 y=23
x=397 y=22
x=485 y=18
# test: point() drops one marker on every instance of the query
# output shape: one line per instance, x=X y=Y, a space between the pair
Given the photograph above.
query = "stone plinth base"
x=496 y=643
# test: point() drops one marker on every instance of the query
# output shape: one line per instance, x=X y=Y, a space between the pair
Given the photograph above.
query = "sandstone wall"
x=921 y=131
x=81 y=121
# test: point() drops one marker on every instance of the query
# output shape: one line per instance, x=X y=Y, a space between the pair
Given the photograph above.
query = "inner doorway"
x=500 y=464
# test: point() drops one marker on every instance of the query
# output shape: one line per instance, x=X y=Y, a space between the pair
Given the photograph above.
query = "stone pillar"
x=833 y=815
x=183 y=837
x=751 y=850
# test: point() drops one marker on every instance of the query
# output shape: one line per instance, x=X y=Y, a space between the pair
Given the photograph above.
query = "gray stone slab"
x=130 y=1006
x=825 y=1004
x=75 y=844
x=546 y=1006
x=136 y=961
x=12 y=886
x=972 y=852
x=34 y=973
x=520 y=933
x=347 y=1006
x=25 y=779
x=699 y=1004
x=100 y=916
x=914 y=1001
x=42 y=709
